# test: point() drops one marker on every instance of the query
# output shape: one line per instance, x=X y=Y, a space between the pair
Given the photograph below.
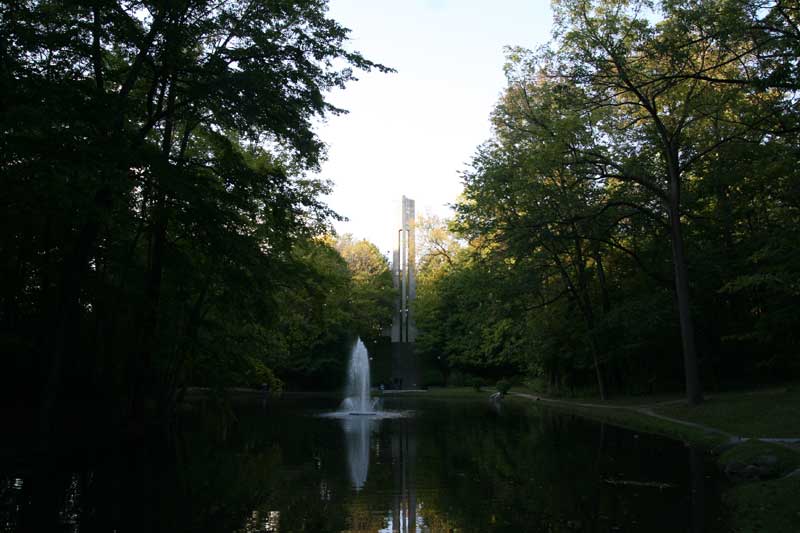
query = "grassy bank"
x=632 y=418
x=765 y=494
x=764 y=413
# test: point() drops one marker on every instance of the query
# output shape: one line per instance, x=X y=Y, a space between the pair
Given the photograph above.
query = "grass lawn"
x=786 y=460
x=770 y=505
x=765 y=506
x=444 y=392
x=624 y=401
x=771 y=413
x=631 y=419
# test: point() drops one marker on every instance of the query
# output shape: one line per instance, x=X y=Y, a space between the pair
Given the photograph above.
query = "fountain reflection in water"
x=357 y=401
x=360 y=415
x=357 y=432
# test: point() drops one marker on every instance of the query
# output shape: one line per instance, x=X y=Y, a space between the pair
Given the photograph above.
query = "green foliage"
x=769 y=413
x=373 y=294
x=503 y=386
x=765 y=505
x=158 y=228
x=476 y=383
x=456 y=379
x=751 y=451
x=432 y=378
x=309 y=342
x=637 y=162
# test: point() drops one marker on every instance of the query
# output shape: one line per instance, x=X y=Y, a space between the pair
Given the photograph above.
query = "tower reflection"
x=404 y=456
x=398 y=447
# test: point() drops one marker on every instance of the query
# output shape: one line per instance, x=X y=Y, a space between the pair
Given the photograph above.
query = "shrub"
x=456 y=379
x=536 y=384
x=432 y=378
x=476 y=383
x=503 y=386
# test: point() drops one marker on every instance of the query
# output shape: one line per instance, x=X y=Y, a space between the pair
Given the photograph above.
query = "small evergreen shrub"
x=503 y=386
x=432 y=378
x=456 y=379
x=476 y=383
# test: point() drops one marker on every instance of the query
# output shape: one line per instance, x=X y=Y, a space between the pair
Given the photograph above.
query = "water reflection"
x=402 y=517
x=404 y=457
x=454 y=466
x=357 y=433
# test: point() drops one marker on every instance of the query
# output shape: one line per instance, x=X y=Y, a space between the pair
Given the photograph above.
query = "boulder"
x=760 y=467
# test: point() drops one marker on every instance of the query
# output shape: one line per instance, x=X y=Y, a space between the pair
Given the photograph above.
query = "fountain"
x=357 y=399
x=360 y=415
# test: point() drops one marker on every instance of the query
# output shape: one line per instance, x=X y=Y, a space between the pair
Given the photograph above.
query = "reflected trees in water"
x=455 y=464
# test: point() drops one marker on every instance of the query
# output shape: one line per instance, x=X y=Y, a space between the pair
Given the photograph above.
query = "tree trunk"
x=67 y=316
x=694 y=393
x=601 y=277
x=145 y=375
x=598 y=372
x=585 y=303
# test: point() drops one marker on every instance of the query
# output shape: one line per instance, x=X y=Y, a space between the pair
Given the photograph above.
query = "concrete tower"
x=404 y=275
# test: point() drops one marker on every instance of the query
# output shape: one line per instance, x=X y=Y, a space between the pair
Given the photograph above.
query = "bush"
x=536 y=384
x=476 y=383
x=456 y=379
x=503 y=386
x=432 y=378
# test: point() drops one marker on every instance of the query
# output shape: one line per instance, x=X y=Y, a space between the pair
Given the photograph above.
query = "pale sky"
x=410 y=133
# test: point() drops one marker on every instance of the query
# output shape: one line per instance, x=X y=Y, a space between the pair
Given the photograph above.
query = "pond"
x=452 y=464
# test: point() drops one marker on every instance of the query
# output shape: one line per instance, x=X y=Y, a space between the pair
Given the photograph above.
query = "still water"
x=457 y=465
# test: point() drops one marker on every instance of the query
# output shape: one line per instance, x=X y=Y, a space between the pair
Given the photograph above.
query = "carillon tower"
x=404 y=275
x=405 y=366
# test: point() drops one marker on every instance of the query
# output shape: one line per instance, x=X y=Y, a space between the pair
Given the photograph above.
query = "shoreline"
x=764 y=471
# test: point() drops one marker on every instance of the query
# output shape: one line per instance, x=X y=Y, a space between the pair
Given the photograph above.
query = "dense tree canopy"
x=635 y=202
x=373 y=294
x=157 y=227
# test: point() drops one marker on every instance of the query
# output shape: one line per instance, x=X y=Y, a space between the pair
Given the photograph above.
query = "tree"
x=633 y=128
x=373 y=295
x=437 y=246
x=310 y=339
x=153 y=161
x=635 y=83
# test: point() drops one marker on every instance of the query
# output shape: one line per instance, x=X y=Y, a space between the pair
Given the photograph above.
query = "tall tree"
x=638 y=89
x=373 y=295
x=135 y=135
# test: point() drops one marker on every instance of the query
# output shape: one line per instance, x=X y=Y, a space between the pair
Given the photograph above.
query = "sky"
x=411 y=132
